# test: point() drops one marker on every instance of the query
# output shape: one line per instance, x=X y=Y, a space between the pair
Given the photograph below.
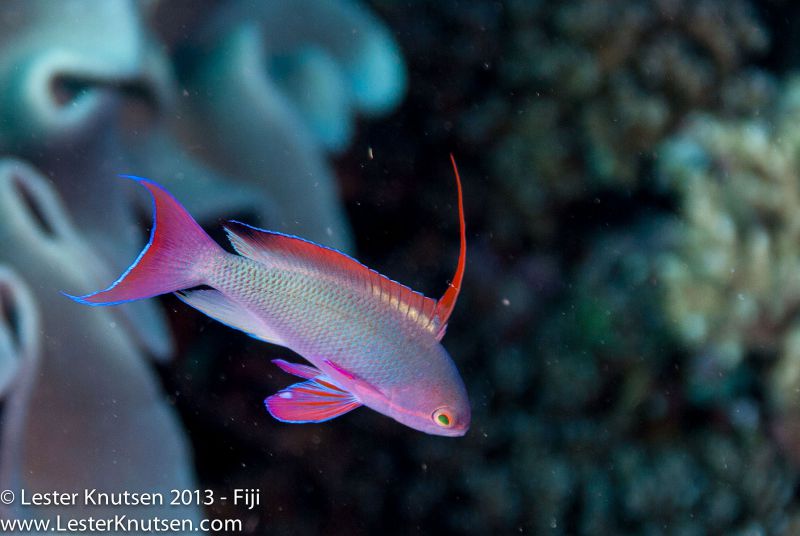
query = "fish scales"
x=324 y=317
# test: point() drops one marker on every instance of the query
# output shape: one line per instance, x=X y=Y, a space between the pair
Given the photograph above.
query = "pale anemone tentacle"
x=63 y=92
x=20 y=349
x=260 y=137
x=92 y=394
x=19 y=328
x=354 y=39
x=207 y=193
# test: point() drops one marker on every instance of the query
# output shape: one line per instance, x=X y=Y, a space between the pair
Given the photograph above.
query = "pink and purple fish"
x=371 y=340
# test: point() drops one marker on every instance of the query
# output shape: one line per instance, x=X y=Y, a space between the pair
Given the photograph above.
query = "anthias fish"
x=370 y=340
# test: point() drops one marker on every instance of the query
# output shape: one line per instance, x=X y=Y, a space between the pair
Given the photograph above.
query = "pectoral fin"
x=303 y=371
x=221 y=308
x=315 y=400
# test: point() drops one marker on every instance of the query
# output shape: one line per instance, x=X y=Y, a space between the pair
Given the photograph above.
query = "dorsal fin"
x=279 y=249
x=445 y=305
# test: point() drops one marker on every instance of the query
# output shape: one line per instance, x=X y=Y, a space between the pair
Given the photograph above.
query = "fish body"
x=371 y=340
x=364 y=340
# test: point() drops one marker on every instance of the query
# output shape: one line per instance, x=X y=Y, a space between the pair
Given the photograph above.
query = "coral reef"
x=600 y=424
x=731 y=287
x=589 y=106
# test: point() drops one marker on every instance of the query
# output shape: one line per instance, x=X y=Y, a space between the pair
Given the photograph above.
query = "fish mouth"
x=451 y=432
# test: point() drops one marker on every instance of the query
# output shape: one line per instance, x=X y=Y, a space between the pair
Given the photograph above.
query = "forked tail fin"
x=172 y=260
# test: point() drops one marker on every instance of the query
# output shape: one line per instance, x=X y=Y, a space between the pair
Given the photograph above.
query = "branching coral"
x=677 y=344
x=732 y=289
x=597 y=85
x=734 y=278
x=613 y=434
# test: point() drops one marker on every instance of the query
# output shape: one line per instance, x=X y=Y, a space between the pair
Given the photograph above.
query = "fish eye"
x=443 y=418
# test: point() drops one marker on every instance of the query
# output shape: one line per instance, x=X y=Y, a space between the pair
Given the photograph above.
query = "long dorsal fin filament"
x=445 y=305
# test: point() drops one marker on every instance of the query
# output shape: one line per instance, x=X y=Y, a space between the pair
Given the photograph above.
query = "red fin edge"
x=446 y=304
x=166 y=264
x=275 y=248
x=311 y=401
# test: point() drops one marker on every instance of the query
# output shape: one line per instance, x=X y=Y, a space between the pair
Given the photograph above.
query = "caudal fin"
x=172 y=260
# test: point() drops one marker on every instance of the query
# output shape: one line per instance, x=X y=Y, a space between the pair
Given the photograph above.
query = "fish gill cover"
x=628 y=326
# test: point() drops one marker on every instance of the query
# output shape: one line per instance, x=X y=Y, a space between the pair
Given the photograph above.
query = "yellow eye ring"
x=442 y=418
